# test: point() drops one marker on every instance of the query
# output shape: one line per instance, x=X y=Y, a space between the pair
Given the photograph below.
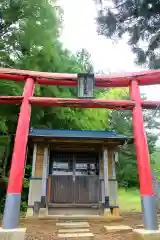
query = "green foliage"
x=156 y=162
x=30 y=31
x=3 y=188
x=4 y=152
x=25 y=190
x=121 y=121
x=139 y=20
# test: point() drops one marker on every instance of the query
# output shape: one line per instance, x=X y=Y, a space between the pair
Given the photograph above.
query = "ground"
x=129 y=201
x=47 y=229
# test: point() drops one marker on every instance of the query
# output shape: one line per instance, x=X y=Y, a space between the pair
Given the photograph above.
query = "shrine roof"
x=77 y=134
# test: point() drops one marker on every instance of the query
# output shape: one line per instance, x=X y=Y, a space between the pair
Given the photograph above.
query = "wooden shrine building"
x=73 y=172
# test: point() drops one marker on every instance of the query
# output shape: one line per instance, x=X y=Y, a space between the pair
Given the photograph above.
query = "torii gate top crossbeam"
x=149 y=77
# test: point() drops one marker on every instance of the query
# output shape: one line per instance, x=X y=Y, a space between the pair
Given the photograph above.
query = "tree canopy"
x=139 y=21
x=30 y=33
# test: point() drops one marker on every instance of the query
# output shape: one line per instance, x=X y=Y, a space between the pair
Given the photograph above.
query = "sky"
x=80 y=32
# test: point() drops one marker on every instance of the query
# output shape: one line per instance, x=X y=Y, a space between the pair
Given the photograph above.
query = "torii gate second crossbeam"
x=31 y=78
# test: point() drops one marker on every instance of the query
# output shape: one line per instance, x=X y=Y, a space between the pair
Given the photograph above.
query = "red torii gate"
x=131 y=80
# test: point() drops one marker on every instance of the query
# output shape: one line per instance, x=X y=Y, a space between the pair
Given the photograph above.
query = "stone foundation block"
x=29 y=212
x=107 y=212
x=43 y=212
x=118 y=228
x=12 y=234
x=142 y=234
x=116 y=212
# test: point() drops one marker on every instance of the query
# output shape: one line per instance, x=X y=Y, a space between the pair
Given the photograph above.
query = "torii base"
x=143 y=234
x=12 y=234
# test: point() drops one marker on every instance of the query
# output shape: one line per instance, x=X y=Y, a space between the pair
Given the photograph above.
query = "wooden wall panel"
x=49 y=188
x=113 y=192
x=101 y=166
x=110 y=156
x=87 y=189
x=62 y=189
x=39 y=161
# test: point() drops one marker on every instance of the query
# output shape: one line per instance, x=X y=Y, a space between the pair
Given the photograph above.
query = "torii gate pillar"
x=13 y=197
x=144 y=169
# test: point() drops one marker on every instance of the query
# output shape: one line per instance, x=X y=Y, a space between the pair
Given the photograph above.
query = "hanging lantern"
x=85 y=84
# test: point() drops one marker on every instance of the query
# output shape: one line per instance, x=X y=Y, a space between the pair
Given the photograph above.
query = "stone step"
x=75 y=230
x=118 y=228
x=75 y=235
x=73 y=225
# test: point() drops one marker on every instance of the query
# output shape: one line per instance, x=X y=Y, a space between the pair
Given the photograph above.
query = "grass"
x=129 y=200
